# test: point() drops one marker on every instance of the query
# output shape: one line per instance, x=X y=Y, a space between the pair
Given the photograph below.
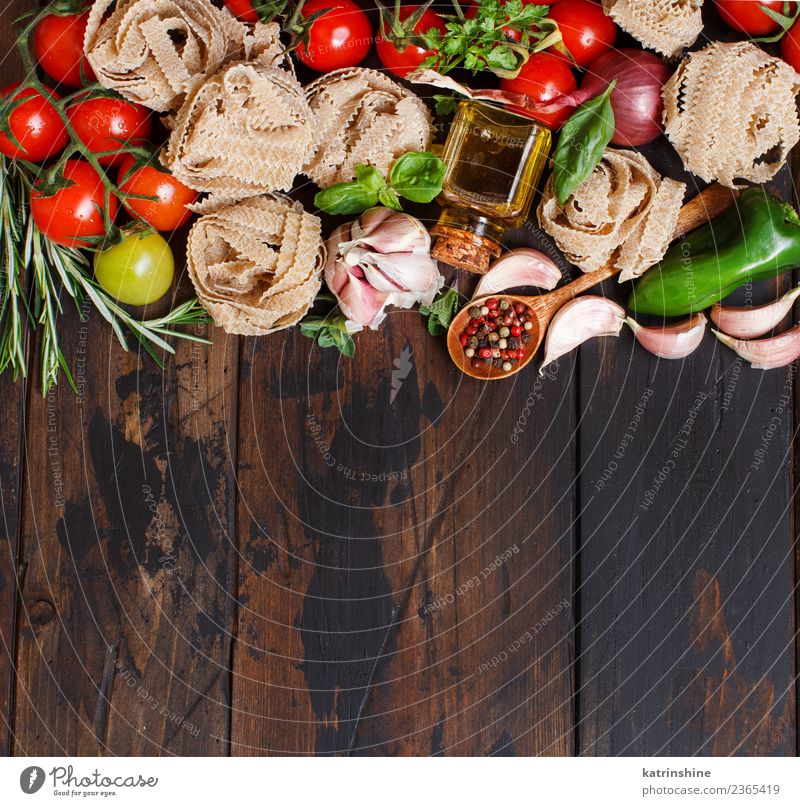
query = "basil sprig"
x=441 y=311
x=416 y=176
x=583 y=140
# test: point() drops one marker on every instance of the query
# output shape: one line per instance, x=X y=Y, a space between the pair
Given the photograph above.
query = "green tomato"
x=138 y=270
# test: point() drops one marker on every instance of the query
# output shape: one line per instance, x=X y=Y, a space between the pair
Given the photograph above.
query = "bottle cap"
x=464 y=250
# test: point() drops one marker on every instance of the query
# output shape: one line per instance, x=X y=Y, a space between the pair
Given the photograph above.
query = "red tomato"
x=585 y=29
x=747 y=16
x=35 y=125
x=101 y=123
x=169 y=211
x=58 y=45
x=73 y=213
x=242 y=9
x=338 y=38
x=544 y=78
x=402 y=62
x=790 y=46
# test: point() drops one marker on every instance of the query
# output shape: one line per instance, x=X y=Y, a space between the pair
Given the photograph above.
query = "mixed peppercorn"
x=496 y=334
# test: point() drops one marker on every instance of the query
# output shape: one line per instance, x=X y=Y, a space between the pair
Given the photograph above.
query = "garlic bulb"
x=749 y=323
x=581 y=319
x=382 y=258
x=671 y=341
x=518 y=268
x=772 y=353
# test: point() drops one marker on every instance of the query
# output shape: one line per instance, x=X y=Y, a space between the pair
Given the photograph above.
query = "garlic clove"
x=772 y=353
x=672 y=341
x=517 y=268
x=749 y=323
x=581 y=319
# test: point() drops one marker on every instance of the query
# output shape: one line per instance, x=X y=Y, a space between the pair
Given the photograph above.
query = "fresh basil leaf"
x=441 y=311
x=329 y=331
x=583 y=140
x=346 y=198
x=369 y=177
x=388 y=197
x=417 y=176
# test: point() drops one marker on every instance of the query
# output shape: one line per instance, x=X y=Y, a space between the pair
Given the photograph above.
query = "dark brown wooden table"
x=268 y=549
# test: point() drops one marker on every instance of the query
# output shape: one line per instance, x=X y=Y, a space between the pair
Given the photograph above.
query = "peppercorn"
x=485 y=352
x=513 y=343
x=472 y=341
x=504 y=332
x=469 y=352
x=482 y=342
x=529 y=325
x=475 y=312
x=493 y=337
x=485 y=327
x=516 y=330
x=526 y=337
x=504 y=304
x=507 y=366
x=491 y=303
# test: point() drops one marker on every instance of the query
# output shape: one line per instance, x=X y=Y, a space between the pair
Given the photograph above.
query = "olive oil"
x=494 y=160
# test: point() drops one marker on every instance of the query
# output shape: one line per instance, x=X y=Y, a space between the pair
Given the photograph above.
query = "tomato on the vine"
x=402 y=61
x=35 y=125
x=749 y=17
x=790 y=46
x=136 y=271
x=104 y=124
x=242 y=9
x=341 y=37
x=58 y=46
x=586 y=31
x=168 y=210
x=74 y=213
x=544 y=78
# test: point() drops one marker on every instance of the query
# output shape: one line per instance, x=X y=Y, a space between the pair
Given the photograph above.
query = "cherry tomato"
x=402 y=62
x=136 y=271
x=748 y=17
x=585 y=29
x=790 y=46
x=58 y=45
x=544 y=78
x=73 y=213
x=341 y=37
x=169 y=211
x=103 y=123
x=35 y=124
x=243 y=9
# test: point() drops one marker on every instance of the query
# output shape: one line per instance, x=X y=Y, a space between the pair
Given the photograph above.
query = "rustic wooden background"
x=259 y=551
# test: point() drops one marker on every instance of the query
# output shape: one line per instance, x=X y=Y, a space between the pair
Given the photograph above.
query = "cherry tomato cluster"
x=54 y=132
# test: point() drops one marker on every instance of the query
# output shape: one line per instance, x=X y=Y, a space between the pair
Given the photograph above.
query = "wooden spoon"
x=707 y=205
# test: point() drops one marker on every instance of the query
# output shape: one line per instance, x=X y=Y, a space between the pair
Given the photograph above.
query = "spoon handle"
x=707 y=205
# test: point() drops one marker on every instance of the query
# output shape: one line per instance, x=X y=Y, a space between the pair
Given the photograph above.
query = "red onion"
x=636 y=100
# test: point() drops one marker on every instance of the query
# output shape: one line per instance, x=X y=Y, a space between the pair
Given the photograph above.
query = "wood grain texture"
x=398 y=543
x=128 y=531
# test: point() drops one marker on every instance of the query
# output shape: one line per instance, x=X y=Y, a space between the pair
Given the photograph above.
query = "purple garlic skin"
x=518 y=268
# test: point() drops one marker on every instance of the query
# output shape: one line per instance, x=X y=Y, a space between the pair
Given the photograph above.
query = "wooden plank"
x=686 y=632
x=128 y=525
x=13 y=396
x=405 y=585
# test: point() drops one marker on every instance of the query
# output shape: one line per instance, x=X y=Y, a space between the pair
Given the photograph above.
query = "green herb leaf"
x=329 y=331
x=583 y=140
x=388 y=197
x=441 y=311
x=369 y=177
x=446 y=104
x=417 y=176
x=346 y=198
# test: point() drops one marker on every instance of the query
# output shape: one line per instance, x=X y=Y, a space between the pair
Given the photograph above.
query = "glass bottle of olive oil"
x=494 y=160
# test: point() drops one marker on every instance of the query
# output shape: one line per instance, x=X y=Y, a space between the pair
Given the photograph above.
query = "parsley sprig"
x=481 y=42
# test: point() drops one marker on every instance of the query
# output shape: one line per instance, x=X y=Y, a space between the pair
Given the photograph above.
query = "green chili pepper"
x=757 y=239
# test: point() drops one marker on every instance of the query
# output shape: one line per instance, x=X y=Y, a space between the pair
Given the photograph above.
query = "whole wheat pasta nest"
x=247 y=130
x=362 y=117
x=730 y=111
x=624 y=213
x=668 y=26
x=155 y=51
x=256 y=265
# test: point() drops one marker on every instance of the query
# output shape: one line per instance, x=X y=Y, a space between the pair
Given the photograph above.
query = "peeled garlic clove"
x=516 y=268
x=581 y=319
x=772 y=353
x=672 y=341
x=749 y=323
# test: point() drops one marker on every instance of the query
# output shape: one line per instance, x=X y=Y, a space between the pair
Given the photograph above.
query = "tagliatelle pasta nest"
x=363 y=117
x=155 y=51
x=668 y=26
x=624 y=213
x=248 y=130
x=256 y=265
x=730 y=111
